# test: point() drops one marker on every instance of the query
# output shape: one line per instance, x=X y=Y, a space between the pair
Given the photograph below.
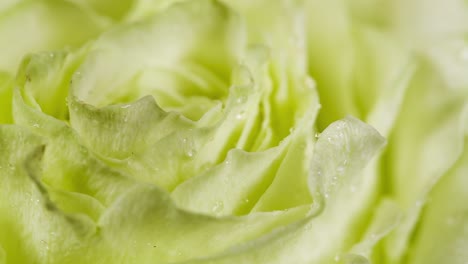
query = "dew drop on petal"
x=317 y=135
x=340 y=170
x=125 y=106
x=190 y=153
x=218 y=207
x=240 y=115
x=241 y=99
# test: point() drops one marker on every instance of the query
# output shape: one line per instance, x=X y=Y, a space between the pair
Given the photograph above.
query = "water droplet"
x=45 y=244
x=334 y=180
x=246 y=200
x=227 y=162
x=340 y=170
x=241 y=99
x=317 y=135
x=205 y=167
x=76 y=77
x=190 y=153
x=35 y=125
x=125 y=106
x=242 y=77
x=51 y=55
x=291 y=129
x=240 y=115
x=355 y=259
x=218 y=207
x=184 y=140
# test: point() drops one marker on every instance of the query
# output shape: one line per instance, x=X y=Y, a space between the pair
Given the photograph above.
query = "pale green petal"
x=442 y=234
x=183 y=131
x=32 y=227
x=326 y=232
x=418 y=157
x=6 y=93
x=32 y=26
x=360 y=68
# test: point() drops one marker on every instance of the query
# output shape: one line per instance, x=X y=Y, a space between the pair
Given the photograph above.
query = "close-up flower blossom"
x=234 y=131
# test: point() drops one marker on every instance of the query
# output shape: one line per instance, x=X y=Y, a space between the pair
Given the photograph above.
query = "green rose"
x=249 y=131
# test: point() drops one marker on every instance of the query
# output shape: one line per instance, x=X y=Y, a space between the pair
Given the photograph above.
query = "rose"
x=223 y=163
